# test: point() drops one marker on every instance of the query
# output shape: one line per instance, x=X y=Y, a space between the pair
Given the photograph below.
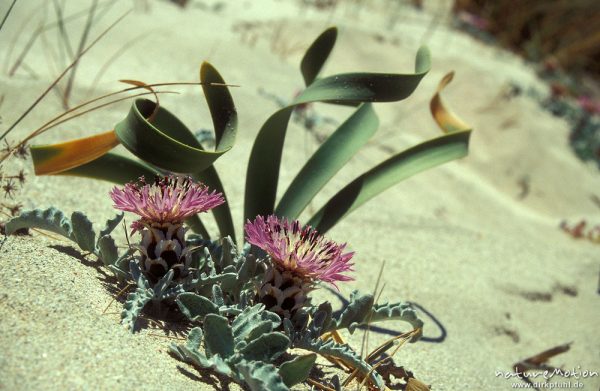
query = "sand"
x=460 y=240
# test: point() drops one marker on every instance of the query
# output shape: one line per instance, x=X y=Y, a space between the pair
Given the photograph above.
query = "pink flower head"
x=300 y=250
x=169 y=199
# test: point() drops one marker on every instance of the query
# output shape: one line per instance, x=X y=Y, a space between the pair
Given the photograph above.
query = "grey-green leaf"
x=107 y=250
x=266 y=348
x=83 y=232
x=194 y=339
x=261 y=376
x=355 y=313
x=218 y=337
x=297 y=370
x=50 y=219
x=111 y=224
x=195 y=307
x=396 y=311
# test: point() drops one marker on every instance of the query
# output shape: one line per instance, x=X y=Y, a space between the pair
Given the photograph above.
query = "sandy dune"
x=463 y=241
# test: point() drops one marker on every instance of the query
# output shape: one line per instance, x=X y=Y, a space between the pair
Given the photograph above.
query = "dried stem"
x=61 y=76
x=82 y=42
x=7 y=13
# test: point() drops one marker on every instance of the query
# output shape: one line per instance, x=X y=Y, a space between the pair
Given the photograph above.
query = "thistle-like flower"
x=163 y=206
x=300 y=257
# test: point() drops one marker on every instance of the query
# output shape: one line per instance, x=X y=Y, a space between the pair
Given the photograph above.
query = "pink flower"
x=300 y=250
x=169 y=199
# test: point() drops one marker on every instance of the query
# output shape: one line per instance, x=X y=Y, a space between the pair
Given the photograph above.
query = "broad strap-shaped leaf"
x=451 y=146
x=266 y=348
x=50 y=219
x=158 y=137
x=222 y=213
x=265 y=158
x=261 y=376
x=167 y=143
x=113 y=168
x=195 y=307
x=53 y=159
x=317 y=54
x=331 y=156
x=218 y=337
x=297 y=370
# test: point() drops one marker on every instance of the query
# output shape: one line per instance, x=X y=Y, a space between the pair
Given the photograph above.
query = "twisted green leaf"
x=317 y=54
x=331 y=156
x=397 y=168
x=265 y=158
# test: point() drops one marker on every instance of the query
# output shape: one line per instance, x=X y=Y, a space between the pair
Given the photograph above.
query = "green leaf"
x=83 y=232
x=317 y=54
x=331 y=156
x=221 y=106
x=397 y=168
x=166 y=142
x=297 y=370
x=195 y=307
x=113 y=168
x=107 y=250
x=261 y=376
x=265 y=158
x=266 y=348
x=221 y=213
x=218 y=337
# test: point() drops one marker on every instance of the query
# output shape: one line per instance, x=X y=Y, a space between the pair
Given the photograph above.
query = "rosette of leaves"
x=238 y=333
x=245 y=348
x=162 y=143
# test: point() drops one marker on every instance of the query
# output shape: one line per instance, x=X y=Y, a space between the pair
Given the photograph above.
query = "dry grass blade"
x=320 y=386
x=539 y=360
x=129 y=285
x=35 y=103
x=380 y=350
x=126 y=46
x=82 y=42
x=7 y=14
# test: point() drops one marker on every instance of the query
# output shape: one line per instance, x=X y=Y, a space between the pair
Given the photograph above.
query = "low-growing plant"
x=249 y=306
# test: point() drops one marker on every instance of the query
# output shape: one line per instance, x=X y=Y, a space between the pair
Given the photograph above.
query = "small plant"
x=250 y=305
